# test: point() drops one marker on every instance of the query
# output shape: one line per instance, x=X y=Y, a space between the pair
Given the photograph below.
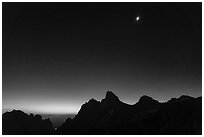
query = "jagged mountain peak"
x=88 y=107
x=93 y=101
x=17 y=111
x=111 y=96
x=147 y=99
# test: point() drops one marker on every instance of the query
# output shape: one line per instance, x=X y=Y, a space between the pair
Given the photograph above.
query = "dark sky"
x=56 y=56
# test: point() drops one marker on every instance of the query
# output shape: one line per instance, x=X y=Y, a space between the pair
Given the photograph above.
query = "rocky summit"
x=147 y=117
x=110 y=116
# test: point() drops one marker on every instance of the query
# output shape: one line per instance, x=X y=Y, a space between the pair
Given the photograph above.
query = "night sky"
x=57 y=56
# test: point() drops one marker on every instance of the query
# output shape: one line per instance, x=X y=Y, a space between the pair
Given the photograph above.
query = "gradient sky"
x=57 y=56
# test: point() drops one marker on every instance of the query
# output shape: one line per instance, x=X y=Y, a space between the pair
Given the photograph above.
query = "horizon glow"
x=54 y=64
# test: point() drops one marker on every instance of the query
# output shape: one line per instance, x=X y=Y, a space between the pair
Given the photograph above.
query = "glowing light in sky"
x=137 y=18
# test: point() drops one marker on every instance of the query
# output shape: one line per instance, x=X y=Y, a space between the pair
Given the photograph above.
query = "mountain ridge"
x=148 y=116
x=111 y=116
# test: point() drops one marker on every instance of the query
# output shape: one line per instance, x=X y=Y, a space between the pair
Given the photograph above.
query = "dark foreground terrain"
x=181 y=115
x=17 y=122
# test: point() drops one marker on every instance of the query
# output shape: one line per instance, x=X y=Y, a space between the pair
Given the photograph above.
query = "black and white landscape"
x=57 y=56
x=178 y=116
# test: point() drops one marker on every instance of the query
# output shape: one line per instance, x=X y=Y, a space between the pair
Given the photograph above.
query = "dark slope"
x=111 y=116
x=181 y=115
x=17 y=122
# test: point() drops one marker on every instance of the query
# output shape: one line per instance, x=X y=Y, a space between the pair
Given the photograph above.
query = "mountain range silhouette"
x=110 y=116
x=17 y=122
